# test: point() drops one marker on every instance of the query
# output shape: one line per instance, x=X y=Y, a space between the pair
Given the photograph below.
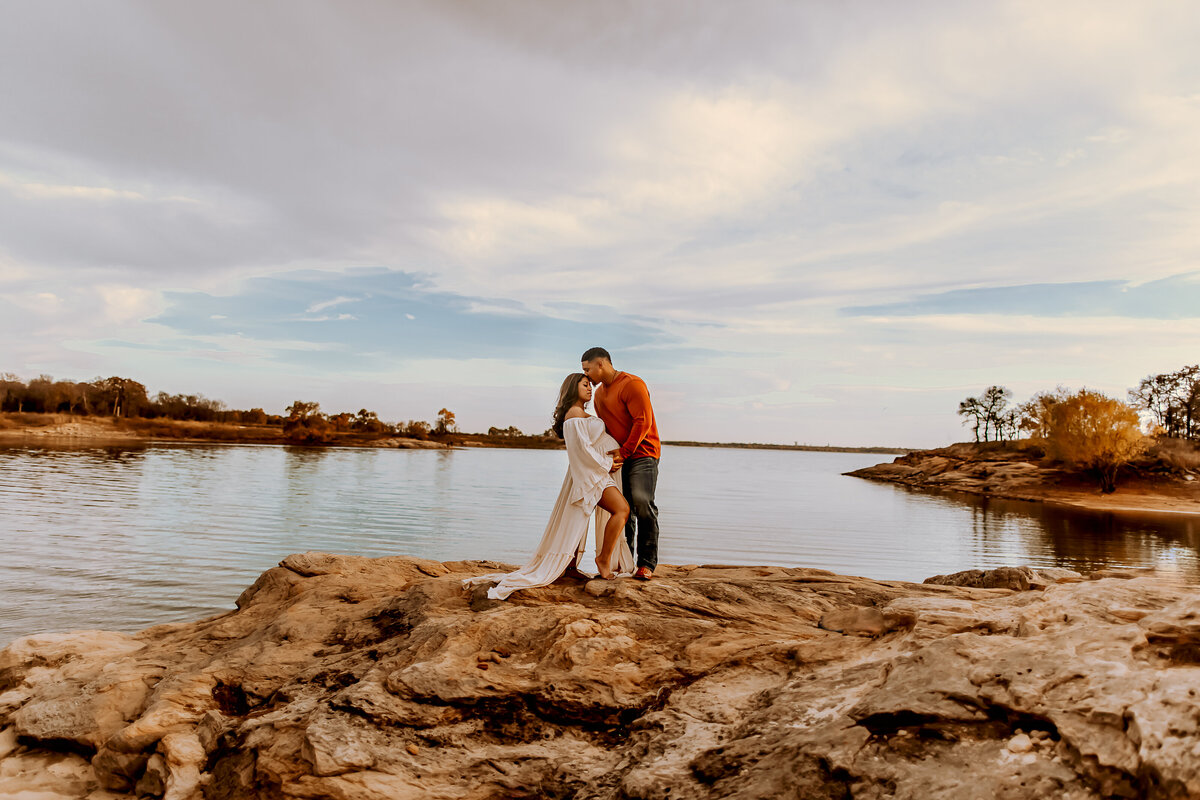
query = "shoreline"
x=1013 y=473
x=106 y=430
x=65 y=427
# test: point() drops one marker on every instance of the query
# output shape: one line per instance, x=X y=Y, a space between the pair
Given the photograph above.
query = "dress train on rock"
x=565 y=537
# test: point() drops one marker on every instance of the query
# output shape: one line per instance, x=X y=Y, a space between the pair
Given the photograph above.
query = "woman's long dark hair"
x=568 y=396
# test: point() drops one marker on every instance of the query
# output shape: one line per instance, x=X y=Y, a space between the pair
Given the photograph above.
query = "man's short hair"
x=592 y=353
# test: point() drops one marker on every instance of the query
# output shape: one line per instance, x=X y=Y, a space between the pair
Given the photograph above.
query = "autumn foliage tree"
x=368 y=422
x=512 y=431
x=305 y=424
x=415 y=429
x=121 y=397
x=1088 y=430
x=1034 y=415
x=445 y=422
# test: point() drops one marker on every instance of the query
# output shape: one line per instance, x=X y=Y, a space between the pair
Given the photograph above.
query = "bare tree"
x=994 y=402
x=1154 y=394
x=1172 y=400
x=988 y=412
x=973 y=413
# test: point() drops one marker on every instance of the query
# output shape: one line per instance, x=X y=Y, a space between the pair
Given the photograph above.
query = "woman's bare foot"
x=606 y=573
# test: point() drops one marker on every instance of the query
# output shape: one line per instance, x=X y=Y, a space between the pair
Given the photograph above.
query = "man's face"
x=593 y=369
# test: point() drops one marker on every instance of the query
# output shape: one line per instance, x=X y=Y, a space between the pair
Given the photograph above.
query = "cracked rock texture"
x=355 y=679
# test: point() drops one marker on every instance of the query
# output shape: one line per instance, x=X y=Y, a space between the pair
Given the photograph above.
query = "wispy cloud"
x=1177 y=297
x=324 y=304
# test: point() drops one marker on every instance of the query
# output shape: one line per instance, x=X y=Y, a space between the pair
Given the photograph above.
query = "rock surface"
x=354 y=678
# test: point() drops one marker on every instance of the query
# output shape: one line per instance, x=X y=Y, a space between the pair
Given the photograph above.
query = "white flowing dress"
x=565 y=537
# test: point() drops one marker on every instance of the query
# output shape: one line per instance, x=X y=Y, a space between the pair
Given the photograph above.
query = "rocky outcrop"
x=1020 y=471
x=355 y=678
x=1002 y=471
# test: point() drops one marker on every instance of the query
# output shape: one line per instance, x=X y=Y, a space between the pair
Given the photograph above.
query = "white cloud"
x=129 y=303
x=41 y=190
x=337 y=301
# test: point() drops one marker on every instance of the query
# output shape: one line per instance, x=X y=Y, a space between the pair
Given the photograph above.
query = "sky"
x=823 y=223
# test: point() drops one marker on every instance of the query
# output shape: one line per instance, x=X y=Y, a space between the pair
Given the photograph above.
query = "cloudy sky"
x=798 y=221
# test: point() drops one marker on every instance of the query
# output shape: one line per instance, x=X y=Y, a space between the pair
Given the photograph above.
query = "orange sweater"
x=624 y=405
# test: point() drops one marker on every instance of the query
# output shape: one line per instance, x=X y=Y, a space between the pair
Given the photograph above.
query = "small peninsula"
x=1021 y=471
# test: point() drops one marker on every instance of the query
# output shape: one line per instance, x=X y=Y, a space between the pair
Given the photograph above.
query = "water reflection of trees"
x=302 y=467
x=304 y=459
x=105 y=453
x=1083 y=540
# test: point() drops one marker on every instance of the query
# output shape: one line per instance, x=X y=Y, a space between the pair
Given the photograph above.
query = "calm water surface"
x=125 y=537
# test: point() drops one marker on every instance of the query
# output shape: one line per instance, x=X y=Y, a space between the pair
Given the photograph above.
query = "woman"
x=587 y=486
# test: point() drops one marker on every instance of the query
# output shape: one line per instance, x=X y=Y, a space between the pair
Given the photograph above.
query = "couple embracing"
x=612 y=471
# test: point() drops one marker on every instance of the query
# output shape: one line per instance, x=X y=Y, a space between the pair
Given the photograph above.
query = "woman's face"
x=585 y=390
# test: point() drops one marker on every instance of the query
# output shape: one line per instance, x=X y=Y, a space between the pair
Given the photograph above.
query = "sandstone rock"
x=345 y=677
x=154 y=777
x=480 y=600
x=1002 y=578
x=855 y=621
x=600 y=588
x=8 y=741
x=1125 y=573
x=1021 y=743
x=184 y=756
x=45 y=775
x=1018 y=579
x=118 y=770
x=1128 y=614
x=1044 y=576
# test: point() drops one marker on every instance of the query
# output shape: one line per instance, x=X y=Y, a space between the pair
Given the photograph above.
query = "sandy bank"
x=1014 y=473
x=348 y=677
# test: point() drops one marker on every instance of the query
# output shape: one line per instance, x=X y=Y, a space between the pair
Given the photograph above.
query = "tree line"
x=115 y=396
x=1088 y=429
x=305 y=423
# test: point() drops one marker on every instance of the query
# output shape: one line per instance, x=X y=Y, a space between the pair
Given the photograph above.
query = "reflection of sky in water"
x=125 y=537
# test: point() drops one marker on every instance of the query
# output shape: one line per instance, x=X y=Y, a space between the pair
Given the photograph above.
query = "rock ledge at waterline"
x=348 y=677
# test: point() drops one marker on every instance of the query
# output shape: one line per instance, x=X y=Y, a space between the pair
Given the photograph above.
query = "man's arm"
x=637 y=400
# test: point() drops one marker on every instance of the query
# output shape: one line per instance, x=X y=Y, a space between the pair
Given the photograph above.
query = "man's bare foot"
x=643 y=574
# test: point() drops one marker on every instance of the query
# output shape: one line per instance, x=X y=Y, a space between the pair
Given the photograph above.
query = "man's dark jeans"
x=639 y=477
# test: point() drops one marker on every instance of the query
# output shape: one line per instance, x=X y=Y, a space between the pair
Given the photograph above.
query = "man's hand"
x=617 y=460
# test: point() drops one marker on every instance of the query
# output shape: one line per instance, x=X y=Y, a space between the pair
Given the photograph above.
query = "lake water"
x=123 y=537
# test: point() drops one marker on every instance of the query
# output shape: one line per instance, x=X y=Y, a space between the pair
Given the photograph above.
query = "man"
x=623 y=402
